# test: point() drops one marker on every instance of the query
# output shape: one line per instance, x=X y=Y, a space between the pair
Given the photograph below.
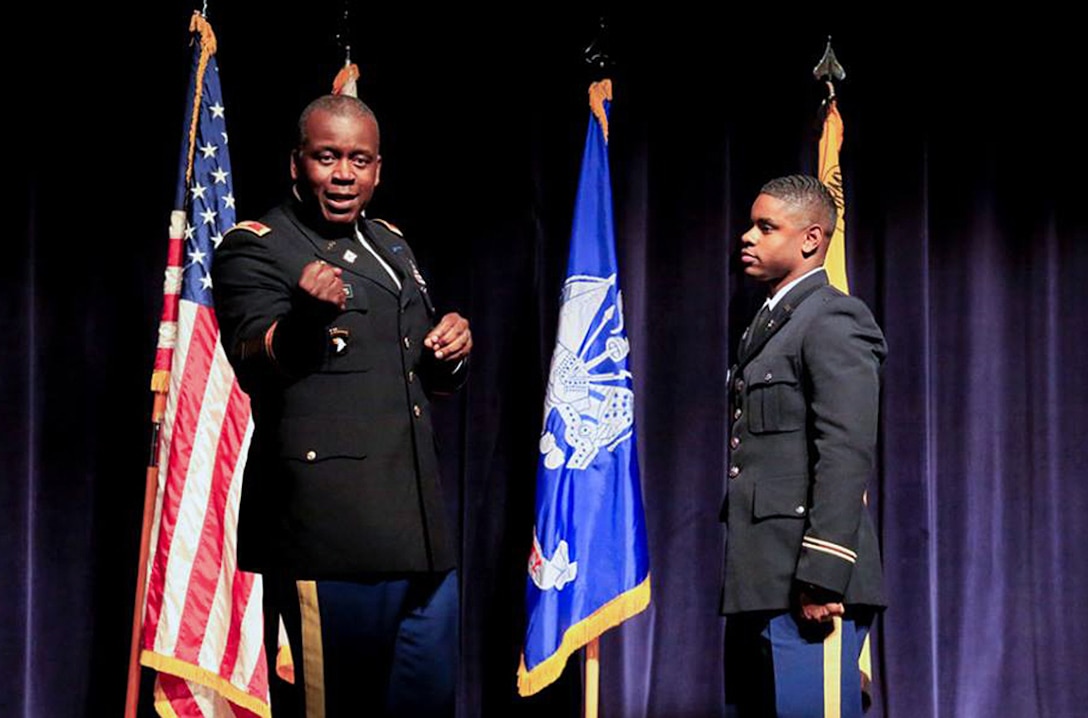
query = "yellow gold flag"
x=831 y=175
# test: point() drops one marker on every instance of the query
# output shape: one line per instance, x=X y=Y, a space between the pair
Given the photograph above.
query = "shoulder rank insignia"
x=256 y=227
x=390 y=226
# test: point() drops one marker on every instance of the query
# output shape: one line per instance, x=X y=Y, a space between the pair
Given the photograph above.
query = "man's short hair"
x=808 y=194
x=339 y=105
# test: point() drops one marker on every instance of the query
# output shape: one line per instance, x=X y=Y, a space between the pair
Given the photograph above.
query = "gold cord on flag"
x=160 y=378
x=203 y=28
x=598 y=93
x=345 y=82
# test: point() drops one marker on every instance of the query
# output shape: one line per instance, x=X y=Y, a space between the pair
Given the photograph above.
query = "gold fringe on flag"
x=183 y=669
x=610 y=615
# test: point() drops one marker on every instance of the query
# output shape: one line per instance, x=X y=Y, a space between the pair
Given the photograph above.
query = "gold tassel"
x=598 y=93
x=207 y=48
x=344 y=83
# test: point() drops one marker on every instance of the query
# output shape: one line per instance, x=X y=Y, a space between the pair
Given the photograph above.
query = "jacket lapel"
x=347 y=253
x=393 y=250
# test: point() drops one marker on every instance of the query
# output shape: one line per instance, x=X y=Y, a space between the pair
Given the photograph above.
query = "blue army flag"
x=589 y=568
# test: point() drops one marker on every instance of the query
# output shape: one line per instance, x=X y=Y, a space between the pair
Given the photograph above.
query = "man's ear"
x=377 y=170
x=294 y=165
x=814 y=236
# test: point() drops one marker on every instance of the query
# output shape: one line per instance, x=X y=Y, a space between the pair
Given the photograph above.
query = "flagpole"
x=132 y=694
x=593 y=678
x=597 y=54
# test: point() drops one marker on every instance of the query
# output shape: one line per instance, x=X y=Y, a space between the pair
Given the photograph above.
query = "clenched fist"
x=322 y=281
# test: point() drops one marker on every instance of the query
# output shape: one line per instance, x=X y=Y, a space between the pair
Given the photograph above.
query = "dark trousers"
x=368 y=647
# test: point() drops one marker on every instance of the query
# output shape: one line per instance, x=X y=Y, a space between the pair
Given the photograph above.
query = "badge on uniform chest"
x=339 y=339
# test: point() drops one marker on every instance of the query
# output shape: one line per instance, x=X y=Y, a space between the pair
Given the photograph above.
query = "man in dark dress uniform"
x=802 y=566
x=328 y=323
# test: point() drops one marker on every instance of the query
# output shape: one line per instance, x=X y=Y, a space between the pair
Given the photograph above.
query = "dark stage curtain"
x=964 y=167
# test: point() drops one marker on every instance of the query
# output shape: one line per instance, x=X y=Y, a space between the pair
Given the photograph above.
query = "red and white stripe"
x=200 y=610
x=171 y=292
x=178 y=698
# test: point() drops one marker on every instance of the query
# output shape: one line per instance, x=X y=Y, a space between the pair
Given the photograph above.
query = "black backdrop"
x=965 y=173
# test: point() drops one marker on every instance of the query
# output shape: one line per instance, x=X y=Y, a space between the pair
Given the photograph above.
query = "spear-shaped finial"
x=829 y=70
x=596 y=53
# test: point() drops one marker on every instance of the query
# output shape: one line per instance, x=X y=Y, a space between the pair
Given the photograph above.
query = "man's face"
x=339 y=166
x=776 y=248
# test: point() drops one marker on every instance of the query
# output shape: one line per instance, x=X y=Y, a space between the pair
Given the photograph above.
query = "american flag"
x=202 y=622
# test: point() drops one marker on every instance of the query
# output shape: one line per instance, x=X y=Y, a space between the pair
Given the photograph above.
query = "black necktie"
x=758 y=325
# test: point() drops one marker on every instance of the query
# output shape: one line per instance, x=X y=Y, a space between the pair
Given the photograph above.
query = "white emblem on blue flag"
x=554 y=572
x=594 y=412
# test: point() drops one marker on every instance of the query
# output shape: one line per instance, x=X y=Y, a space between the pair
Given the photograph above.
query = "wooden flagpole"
x=592 y=678
x=151 y=487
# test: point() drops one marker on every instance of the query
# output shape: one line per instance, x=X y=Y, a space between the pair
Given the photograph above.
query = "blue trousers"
x=370 y=648
x=777 y=667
